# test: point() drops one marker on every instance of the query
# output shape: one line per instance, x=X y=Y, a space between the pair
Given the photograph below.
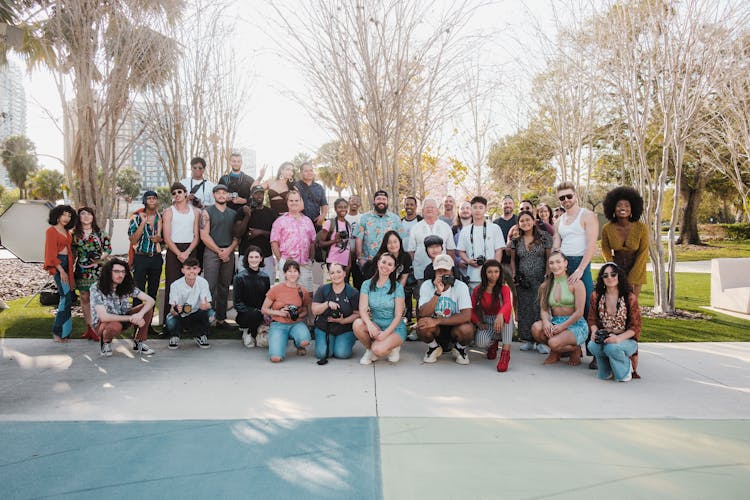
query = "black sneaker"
x=202 y=342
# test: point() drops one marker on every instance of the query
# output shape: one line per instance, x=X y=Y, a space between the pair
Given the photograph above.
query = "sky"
x=278 y=127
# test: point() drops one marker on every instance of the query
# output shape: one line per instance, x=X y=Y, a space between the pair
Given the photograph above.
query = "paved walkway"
x=225 y=423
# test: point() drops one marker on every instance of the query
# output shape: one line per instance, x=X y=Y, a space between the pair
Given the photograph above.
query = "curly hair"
x=623 y=286
x=105 y=279
x=56 y=212
x=623 y=193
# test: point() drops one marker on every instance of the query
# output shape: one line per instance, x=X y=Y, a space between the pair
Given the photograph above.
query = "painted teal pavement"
x=316 y=458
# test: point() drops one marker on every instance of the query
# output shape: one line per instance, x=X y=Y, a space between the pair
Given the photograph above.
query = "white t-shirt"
x=415 y=244
x=205 y=193
x=180 y=293
x=450 y=302
x=353 y=220
x=487 y=246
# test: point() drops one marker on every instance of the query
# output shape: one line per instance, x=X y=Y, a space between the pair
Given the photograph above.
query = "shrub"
x=739 y=231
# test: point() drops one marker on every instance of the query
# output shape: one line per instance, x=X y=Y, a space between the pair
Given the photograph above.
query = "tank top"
x=221 y=225
x=182 y=226
x=572 y=236
x=567 y=299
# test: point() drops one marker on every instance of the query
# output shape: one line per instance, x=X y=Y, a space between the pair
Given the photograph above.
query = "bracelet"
x=437 y=294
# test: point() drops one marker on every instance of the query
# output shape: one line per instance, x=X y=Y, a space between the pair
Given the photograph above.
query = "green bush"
x=739 y=231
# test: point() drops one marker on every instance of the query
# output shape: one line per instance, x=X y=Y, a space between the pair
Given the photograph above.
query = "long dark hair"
x=534 y=229
x=546 y=285
x=623 y=286
x=105 y=279
x=391 y=277
x=384 y=245
x=78 y=231
x=497 y=297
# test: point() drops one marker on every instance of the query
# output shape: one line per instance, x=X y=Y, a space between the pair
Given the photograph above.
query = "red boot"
x=87 y=333
x=492 y=350
x=92 y=334
x=502 y=365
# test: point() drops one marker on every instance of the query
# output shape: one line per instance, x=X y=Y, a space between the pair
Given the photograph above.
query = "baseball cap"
x=443 y=261
x=220 y=186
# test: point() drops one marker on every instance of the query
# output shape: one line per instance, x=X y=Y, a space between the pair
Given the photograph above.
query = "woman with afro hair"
x=625 y=237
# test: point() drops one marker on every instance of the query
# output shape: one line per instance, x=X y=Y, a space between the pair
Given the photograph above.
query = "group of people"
x=471 y=279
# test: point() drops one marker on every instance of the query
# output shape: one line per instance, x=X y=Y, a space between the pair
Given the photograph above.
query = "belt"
x=148 y=254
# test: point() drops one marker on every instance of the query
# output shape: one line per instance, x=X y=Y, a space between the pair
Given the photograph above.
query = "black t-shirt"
x=261 y=218
x=242 y=185
x=348 y=301
x=505 y=226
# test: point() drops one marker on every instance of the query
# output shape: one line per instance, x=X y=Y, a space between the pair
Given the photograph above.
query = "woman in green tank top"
x=562 y=326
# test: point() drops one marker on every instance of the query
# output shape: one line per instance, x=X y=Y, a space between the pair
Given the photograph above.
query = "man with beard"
x=370 y=230
x=216 y=227
x=411 y=216
x=449 y=211
x=238 y=182
x=255 y=228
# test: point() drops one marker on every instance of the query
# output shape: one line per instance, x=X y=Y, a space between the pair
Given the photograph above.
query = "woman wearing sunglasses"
x=615 y=322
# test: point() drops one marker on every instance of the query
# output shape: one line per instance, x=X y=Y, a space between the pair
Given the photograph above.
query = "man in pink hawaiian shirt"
x=293 y=237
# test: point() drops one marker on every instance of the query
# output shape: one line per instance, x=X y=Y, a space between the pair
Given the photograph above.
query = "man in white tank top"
x=576 y=232
x=181 y=237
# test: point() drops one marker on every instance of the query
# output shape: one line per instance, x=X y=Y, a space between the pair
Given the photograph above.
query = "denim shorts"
x=580 y=328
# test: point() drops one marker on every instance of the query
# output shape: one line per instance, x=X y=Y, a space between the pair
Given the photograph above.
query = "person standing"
x=278 y=188
x=479 y=242
x=335 y=235
x=430 y=225
x=255 y=228
x=352 y=217
x=370 y=230
x=216 y=229
x=145 y=232
x=449 y=211
x=58 y=261
x=528 y=206
x=576 y=232
x=411 y=216
x=181 y=235
x=506 y=221
x=91 y=247
x=199 y=188
x=111 y=311
x=313 y=195
x=293 y=238
x=238 y=182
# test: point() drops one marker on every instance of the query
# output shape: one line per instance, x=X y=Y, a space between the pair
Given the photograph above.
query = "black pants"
x=197 y=322
x=357 y=278
x=147 y=274
x=251 y=319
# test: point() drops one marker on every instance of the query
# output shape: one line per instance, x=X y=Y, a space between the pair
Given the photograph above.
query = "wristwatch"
x=437 y=294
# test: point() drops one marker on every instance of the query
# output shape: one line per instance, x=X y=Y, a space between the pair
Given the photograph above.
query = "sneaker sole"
x=173 y=347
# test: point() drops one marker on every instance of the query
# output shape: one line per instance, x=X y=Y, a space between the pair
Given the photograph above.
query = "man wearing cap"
x=255 y=228
x=216 y=227
x=144 y=231
x=445 y=310
x=372 y=227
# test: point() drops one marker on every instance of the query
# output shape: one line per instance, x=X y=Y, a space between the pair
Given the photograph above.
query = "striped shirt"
x=145 y=245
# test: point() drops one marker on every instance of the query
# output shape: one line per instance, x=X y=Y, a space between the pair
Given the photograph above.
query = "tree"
x=370 y=67
x=128 y=183
x=19 y=159
x=47 y=185
x=333 y=166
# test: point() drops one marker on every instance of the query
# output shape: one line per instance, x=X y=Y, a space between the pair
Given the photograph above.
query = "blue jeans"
x=339 y=346
x=197 y=322
x=280 y=333
x=588 y=282
x=613 y=358
x=63 y=324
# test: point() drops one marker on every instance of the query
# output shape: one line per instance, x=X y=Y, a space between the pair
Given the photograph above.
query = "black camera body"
x=293 y=312
x=344 y=235
x=601 y=336
x=254 y=203
x=480 y=260
x=186 y=310
x=448 y=279
x=522 y=281
x=336 y=313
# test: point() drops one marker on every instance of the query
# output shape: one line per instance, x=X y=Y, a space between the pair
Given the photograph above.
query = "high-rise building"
x=12 y=108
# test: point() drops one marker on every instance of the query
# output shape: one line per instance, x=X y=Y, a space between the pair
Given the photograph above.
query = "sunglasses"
x=565 y=197
x=177 y=191
x=609 y=275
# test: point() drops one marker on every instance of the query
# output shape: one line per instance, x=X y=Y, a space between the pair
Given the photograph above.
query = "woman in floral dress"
x=91 y=247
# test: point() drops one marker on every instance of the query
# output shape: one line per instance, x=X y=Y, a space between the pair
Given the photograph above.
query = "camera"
x=480 y=260
x=448 y=279
x=336 y=313
x=601 y=336
x=293 y=312
x=186 y=309
x=234 y=195
x=522 y=281
x=344 y=235
x=254 y=203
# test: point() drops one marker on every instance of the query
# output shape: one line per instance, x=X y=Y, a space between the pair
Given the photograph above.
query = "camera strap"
x=484 y=239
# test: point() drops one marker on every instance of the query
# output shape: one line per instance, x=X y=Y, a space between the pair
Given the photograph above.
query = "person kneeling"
x=615 y=322
x=445 y=307
x=110 y=307
x=380 y=326
x=562 y=326
x=286 y=304
x=189 y=305
x=249 y=291
x=336 y=307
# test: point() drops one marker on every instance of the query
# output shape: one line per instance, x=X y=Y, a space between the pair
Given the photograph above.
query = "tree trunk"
x=692 y=194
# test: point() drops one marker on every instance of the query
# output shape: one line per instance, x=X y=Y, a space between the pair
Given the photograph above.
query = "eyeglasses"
x=119 y=271
x=609 y=275
x=564 y=197
x=177 y=191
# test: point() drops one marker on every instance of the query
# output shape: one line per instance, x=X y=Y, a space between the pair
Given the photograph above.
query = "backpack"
x=321 y=253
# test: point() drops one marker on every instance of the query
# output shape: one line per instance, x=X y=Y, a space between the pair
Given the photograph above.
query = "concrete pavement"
x=226 y=423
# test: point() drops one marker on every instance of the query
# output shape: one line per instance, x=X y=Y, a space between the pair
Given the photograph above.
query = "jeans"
x=197 y=322
x=63 y=324
x=339 y=346
x=613 y=358
x=279 y=334
x=588 y=282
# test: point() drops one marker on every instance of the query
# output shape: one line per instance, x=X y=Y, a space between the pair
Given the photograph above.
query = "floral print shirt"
x=295 y=236
x=372 y=227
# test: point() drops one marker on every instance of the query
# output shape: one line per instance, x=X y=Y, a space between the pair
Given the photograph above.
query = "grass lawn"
x=713 y=250
x=693 y=289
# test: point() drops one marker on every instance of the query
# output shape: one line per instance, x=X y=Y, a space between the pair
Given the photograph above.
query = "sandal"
x=575 y=356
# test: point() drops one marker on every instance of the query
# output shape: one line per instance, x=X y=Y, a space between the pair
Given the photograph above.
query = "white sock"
x=433 y=344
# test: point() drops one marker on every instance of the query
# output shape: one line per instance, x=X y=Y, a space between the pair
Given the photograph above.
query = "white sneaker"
x=529 y=345
x=174 y=342
x=432 y=354
x=395 y=355
x=542 y=349
x=461 y=356
x=261 y=340
x=106 y=349
x=367 y=358
x=629 y=376
x=247 y=339
x=144 y=349
x=412 y=335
